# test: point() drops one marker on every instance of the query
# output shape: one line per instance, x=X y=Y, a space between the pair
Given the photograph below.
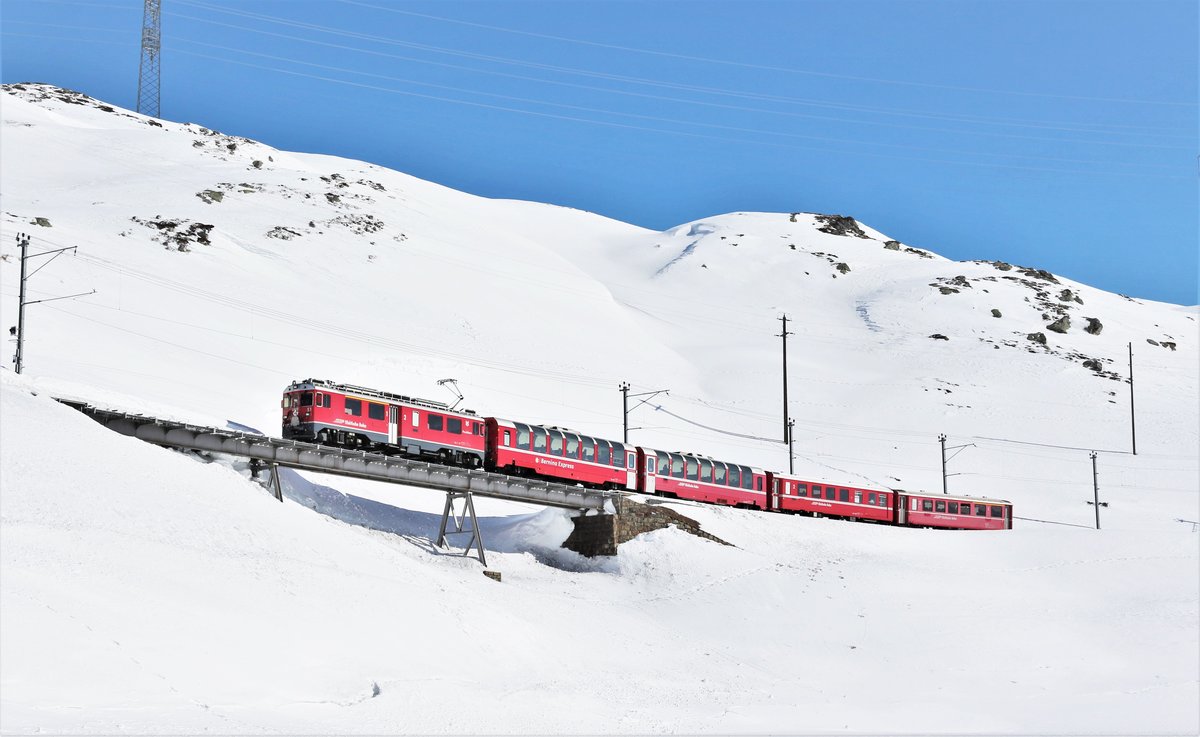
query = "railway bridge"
x=269 y=454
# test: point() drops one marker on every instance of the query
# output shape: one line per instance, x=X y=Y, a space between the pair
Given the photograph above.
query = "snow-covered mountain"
x=224 y=269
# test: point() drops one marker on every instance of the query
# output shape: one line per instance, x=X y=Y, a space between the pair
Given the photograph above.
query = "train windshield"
x=306 y=399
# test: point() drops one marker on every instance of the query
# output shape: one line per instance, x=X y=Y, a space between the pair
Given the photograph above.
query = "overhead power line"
x=765 y=67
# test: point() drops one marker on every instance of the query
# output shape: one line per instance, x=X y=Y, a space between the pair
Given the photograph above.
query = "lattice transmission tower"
x=149 y=86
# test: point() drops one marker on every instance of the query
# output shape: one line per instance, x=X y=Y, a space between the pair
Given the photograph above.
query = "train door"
x=777 y=488
x=651 y=471
x=630 y=470
x=393 y=421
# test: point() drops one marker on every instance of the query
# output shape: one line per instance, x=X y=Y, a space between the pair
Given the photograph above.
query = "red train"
x=350 y=416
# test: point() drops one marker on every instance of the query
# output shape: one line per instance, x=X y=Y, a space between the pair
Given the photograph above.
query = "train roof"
x=376 y=394
x=501 y=422
x=951 y=497
x=701 y=457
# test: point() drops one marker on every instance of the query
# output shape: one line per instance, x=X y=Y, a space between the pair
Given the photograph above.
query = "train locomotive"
x=348 y=416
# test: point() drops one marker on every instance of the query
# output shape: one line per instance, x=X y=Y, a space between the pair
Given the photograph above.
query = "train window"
x=693 y=469
x=980 y=510
x=285 y=402
x=747 y=478
x=830 y=493
x=478 y=428
x=631 y=460
x=454 y=425
x=618 y=455
x=997 y=511
x=758 y=482
x=507 y=439
x=883 y=500
x=964 y=508
x=572 y=446
x=816 y=491
x=664 y=464
x=539 y=440
x=322 y=400
x=735 y=476
x=523 y=437
x=858 y=497
x=556 y=443
x=870 y=497
x=589 y=448
x=802 y=489
x=306 y=399
x=914 y=505
x=926 y=505
x=353 y=407
x=416 y=418
x=952 y=507
x=719 y=473
x=650 y=464
x=676 y=466
x=706 y=471
x=434 y=422
x=843 y=495
x=939 y=506
x=376 y=411
x=603 y=452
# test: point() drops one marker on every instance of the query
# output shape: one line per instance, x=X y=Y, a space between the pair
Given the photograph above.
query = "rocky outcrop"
x=1093 y=326
x=840 y=225
x=1061 y=325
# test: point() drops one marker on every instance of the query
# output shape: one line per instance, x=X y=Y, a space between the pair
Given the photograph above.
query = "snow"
x=147 y=591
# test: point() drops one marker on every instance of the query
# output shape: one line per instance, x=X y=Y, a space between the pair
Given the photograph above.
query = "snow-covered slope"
x=225 y=268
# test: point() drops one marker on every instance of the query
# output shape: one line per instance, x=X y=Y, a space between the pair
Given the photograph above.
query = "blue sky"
x=1060 y=134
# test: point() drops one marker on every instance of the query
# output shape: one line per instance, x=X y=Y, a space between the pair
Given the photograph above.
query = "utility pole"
x=149 y=85
x=1096 y=491
x=1132 y=417
x=791 y=447
x=942 y=440
x=787 y=425
x=959 y=448
x=625 y=395
x=23 y=242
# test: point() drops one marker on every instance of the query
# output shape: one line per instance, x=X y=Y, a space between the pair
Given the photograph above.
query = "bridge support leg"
x=275 y=485
x=451 y=513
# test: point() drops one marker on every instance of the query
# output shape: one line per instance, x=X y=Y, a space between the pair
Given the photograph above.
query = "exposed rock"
x=892 y=245
x=256 y=164
x=1039 y=338
x=947 y=290
x=840 y=225
x=282 y=233
x=917 y=252
x=842 y=267
x=793 y=218
x=1093 y=326
x=44 y=222
x=1151 y=342
x=1093 y=364
x=1038 y=274
x=1061 y=325
x=1168 y=344
x=333 y=198
x=211 y=195
x=996 y=313
x=1001 y=265
x=939 y=336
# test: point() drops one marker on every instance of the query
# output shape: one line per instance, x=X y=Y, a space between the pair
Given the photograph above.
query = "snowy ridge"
x=145 y=591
